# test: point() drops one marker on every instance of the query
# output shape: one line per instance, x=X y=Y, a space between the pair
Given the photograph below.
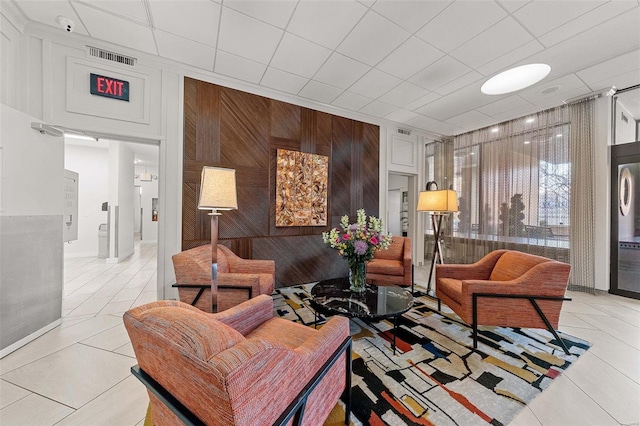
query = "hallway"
x=78 y=373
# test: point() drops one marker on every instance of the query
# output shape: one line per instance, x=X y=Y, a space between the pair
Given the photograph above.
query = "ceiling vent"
x=111 y=56
x=404 y=132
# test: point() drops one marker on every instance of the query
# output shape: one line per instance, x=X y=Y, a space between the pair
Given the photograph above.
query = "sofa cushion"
x=514 y=264
x=195 y=332
x=385 y=267
x=451 y=287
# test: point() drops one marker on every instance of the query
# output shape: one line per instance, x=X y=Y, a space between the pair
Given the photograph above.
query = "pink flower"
x=374 y=241
x=346 y=237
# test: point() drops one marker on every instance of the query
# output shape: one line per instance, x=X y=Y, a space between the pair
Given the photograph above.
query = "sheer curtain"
x=527 y=185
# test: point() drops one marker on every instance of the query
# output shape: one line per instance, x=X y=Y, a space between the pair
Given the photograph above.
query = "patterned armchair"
x=238 y=279
x=240 y=366
x=505 y=288
x=392 y=266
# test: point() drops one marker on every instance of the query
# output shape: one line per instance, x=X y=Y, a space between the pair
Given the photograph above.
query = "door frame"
x=620 y=154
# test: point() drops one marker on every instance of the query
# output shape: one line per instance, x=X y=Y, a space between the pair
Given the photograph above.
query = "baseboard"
x=33 y=336
x=82 y=254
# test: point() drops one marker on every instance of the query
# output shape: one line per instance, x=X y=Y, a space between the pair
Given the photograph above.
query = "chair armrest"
x=248 y=315
x=320 y=346
x=481 y=270
x=227 y=279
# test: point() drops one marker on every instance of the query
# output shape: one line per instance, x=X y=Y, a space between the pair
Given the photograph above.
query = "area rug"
x=436 y=377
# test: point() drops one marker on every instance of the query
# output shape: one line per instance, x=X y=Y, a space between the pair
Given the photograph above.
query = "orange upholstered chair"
x=238 y=279
x=506 y=288
x=392 y=266
x=238 y=367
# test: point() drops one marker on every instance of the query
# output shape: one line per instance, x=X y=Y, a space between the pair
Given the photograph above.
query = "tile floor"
x=78 y=373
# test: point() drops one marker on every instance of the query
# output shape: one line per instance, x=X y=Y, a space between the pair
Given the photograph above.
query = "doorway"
x=625 y=220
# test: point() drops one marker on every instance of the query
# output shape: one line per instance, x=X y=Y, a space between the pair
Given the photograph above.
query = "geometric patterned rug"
x=436 y=377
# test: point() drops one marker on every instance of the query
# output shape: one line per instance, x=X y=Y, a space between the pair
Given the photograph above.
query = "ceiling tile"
x=320 y=92
x=272 y=12
x=557 y=90
x=238 y=67
x=516 y=113
x=325 y=22
x=540 y=17
x=351 y=101
x=459 y=83
x=459 y=23
x=503 y=37
x=504 y=105
x=584 y=22
x=46 y=11
x=622 y=35
x=422 y=100
x=440 y=73
x=402 y=94
x=340 y=71
x=115 y=30
x=456 y=103
x=129 y=9
x=199 y=20
x=621 y=81
x=512 y=5
x=629 y=63
x=375 y=83
x=422 y=121
x=473 y=118
x=402 y=116
x=446 y=129
x=410 y=14
x=299 y=56
x=411 y=57
x=378 y=109
x=372 y=39
x=185 y=51
x=248 y=37
x=511 y=58
x=281 y=80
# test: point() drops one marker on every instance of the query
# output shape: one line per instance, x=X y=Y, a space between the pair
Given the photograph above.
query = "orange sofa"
x=505 y=288
x=238 y=367
x=238 y=279
x=392 y=266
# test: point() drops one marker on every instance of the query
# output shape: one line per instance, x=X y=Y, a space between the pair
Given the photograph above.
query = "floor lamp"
x=217 y=192
x=440 y=203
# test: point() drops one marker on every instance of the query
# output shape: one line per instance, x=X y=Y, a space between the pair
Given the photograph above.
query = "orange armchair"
x=238 y=367
x=506 y=288
x=238 y=279
x=392 y=266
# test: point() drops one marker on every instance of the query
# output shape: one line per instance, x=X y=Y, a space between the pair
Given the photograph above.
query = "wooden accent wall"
x=228 y=128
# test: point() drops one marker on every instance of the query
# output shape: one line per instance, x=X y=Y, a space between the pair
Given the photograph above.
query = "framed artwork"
x=301 y=188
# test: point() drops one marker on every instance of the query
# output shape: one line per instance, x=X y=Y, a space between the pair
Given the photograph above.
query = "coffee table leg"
x=395 y=332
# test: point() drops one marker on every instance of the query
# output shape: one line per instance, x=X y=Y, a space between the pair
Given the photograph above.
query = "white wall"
x=92 y=165
x=149 y=191
x=31 y=207
x=121 y=190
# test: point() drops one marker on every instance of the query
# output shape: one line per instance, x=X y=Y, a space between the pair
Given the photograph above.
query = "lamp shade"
x=218 y=189
x=442 y=200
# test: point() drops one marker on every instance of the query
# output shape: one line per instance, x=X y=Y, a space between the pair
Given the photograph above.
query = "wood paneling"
x=229 y=128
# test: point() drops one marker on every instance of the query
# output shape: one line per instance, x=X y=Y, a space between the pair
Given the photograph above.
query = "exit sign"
x=109 y=87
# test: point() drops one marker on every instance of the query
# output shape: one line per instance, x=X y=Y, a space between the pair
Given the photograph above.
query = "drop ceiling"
x=417 y=63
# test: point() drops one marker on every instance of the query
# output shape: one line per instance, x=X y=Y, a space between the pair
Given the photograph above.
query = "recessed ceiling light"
x=515 y=79
x=527 y=142
x=495 y=130
x=530 y=120
x=559 y=135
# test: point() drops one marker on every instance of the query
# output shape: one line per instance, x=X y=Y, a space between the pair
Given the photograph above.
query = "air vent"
x=111 y=56
x=404 y=132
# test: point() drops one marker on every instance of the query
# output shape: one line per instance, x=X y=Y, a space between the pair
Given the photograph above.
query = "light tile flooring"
x=78 y=373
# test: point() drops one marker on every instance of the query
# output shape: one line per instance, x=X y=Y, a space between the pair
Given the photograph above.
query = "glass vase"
x=357 y=277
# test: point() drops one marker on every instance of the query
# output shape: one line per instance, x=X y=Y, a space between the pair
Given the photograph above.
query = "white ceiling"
x=418 y=63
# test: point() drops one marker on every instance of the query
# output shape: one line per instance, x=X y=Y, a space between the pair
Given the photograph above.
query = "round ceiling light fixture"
x=515 y=79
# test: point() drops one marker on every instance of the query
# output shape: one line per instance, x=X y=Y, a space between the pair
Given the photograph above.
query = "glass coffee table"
x=332 y=297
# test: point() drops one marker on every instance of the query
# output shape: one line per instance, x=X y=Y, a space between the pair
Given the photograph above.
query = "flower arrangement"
x=358 y=241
